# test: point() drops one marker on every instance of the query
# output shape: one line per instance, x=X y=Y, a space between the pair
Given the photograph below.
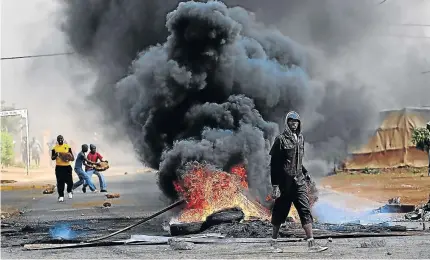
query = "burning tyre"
x=180 y=229
x=224 y=216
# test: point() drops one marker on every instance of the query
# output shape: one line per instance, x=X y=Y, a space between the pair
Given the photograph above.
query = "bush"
x=421 y=139
x=7 y=153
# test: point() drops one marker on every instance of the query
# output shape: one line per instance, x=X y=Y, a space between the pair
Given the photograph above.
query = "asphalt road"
x=140 y=197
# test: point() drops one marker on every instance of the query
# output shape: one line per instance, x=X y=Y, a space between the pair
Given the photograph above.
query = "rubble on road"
x=112 y=196
x=107 y=204
x=373 y=244
x=49 y=189
x=262 y=229
x=180 y=245
x=7 y=181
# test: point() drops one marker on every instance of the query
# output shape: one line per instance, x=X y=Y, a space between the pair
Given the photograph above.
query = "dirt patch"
x=25 y=187
x=411 y=185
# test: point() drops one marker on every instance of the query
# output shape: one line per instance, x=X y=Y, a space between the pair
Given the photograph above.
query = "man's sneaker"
x=103 y=190
x=70 y=195
x=84 y=189
x=60 y=199
x=95 y=191
x=314 y=247
x=274 y=246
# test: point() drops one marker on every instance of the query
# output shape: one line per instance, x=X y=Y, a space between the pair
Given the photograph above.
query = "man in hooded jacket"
x=288 y=177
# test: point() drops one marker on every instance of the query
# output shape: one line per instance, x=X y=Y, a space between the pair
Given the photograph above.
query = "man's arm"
x=54 y=155
x=100 y=157
x=88 y=164
x=274 y=163
x=70 y=151
x=304 y=170
x=306 y=173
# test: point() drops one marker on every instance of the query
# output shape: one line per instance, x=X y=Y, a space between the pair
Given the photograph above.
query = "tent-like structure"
x=391 y=145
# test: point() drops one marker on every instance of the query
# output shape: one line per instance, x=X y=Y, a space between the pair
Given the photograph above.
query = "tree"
x=10 y=124
x=7 y=153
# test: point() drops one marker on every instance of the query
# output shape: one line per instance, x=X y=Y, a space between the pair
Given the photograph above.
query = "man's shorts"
x=297 y=195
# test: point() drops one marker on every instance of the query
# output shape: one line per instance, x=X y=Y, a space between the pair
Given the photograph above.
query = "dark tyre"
x=225 y=216
x=180 y=229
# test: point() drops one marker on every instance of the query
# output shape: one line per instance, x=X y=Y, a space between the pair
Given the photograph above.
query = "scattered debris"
x=388 y=253
x=180 y=245
x=49 y=189
x=395 y=200
x=171 y=206
x=394 y=208
x=420 y=212
x=28 y=228
x=112 y=196
x=107 y=204
x=330 y=239
x=370 y=171
x=125 y=173
x=7 y=181
x=373 y=244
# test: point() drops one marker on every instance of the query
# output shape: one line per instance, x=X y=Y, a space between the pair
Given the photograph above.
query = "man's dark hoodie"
x=287 y=155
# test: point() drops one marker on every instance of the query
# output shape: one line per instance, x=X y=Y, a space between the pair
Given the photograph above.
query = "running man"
x=93 y=156
x=63 y=170
x=83 y=176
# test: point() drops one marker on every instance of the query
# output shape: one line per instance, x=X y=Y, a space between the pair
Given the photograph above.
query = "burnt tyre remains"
x=224 y=216
x=180 y=229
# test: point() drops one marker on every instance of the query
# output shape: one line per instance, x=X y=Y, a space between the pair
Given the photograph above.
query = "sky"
x=30 y=27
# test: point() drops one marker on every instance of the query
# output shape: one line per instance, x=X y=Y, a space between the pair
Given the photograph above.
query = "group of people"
x=63 y=168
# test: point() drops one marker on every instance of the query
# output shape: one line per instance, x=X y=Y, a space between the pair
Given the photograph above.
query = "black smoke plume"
x=212 y=85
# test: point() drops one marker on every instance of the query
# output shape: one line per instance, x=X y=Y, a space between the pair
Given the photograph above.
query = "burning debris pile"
x=216 y=198
x=208 y=190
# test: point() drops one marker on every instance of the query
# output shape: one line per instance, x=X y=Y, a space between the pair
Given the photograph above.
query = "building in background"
x=391 y=144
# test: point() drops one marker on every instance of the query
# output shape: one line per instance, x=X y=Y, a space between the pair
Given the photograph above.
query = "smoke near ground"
x=211 y=83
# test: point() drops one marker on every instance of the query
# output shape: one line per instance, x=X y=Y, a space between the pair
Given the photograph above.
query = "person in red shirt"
x=94 y=157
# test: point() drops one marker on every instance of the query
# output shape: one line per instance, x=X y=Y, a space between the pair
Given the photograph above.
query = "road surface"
x=140 y=197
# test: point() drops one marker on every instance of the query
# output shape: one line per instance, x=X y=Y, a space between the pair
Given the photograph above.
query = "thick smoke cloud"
x=210 y=83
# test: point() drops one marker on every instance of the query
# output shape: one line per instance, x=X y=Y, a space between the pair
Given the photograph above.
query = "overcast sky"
x=30 y=27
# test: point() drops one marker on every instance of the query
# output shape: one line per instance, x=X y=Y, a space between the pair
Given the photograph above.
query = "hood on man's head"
x=293 y=115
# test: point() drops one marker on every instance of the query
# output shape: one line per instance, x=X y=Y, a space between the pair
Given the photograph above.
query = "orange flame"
x=207 y=190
